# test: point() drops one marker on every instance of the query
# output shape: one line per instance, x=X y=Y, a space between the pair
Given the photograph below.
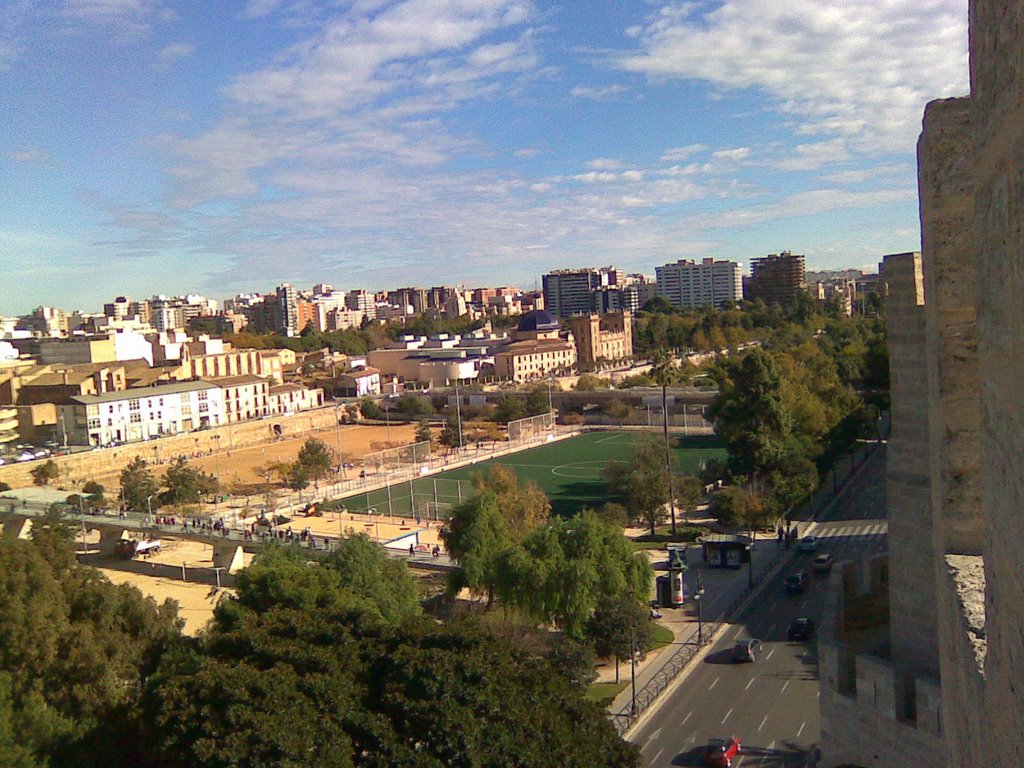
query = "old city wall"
x=997 y=92
x=915 y=637
x=863 y=693
x=946 y=177
x=79 y=468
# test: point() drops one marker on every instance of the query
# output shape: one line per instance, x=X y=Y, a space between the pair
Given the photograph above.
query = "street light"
x=632 y=668
x=149 y=506
x=697 y=595
x=750 y=565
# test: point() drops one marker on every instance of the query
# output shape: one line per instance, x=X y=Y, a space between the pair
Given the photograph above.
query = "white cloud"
x=604 y=164
x=678 y=154
x=808 y=157
x=598 y=93
x=733 y=155
x=167 y=56
x=30 y=155
x=125 y=17
x=857 y=68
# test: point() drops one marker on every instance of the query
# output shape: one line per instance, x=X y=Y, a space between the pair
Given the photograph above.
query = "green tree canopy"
x=138 y=487
x=186 y=484
x=476 y=538
x=43 y=473
x=316 y=459
x=642 y=483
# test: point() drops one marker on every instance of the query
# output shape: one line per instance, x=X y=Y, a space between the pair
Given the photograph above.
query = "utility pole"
x=337 y=426
x=458 y=411
x=632 y=667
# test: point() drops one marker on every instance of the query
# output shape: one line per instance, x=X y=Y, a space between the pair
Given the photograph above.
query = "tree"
x=643 y=482
x=620 y=628
x=76 y=647
x=319 y=689
x=574 y=659
x=44 y=473
x=413 y=405
x=138 y=487
x=316 y=459
x=476 y=537
x=538 y=401
x=613 y=513
x=523 y=508
x=186 y=484
x=566 y=568
x=509 y=408
x=371 y=410
x=423 y=433
x=617 y=409
x=689 y=490
x=588 y=382
x=94 y=493
x=665 y=372
x=749 y=413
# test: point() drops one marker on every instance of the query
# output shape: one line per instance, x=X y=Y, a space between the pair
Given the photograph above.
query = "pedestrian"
x=436 y=552
x=411 y=550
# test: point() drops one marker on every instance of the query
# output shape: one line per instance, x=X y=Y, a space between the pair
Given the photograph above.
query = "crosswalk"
x=843 y=529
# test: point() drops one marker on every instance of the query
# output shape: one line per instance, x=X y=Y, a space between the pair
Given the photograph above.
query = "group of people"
x=435 y=552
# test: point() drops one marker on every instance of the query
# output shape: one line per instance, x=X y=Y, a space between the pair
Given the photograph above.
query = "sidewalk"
x=722 y=588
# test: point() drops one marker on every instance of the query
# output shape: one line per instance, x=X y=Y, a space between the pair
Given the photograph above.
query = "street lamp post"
x=698 y=595
x=750 y=565
x=632 y=668
x=149 y=506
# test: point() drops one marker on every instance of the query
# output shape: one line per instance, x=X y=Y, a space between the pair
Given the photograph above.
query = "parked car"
x=822 y=562
x=797 y=582
x=746 y=650
x=808 y=544
x=720 y=752
x=801 y=629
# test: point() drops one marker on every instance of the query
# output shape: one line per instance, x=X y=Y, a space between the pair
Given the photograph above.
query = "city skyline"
x=157 y=147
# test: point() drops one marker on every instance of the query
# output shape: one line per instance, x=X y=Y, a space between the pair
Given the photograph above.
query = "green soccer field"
x=571 y=472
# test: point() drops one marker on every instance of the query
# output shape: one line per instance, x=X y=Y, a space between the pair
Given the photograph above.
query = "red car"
x=720 y=752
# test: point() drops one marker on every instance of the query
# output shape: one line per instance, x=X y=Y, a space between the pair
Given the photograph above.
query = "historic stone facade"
x=971 y=174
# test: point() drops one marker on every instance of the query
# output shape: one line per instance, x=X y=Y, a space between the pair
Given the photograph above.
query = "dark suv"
x=797 y=582
x=801 y=629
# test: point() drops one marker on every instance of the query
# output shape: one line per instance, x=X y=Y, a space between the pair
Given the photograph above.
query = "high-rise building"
x=569 y=291
x=688 y=284
x=288 y=300
x=776 y=278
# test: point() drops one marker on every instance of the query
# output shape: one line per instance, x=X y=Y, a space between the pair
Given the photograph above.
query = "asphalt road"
x=771 y=705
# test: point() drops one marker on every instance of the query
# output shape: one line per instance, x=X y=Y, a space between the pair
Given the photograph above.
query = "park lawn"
x=604 y=693
x=571 y=472
x=662 y=636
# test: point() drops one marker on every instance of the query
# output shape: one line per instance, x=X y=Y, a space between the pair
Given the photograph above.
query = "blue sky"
x=157 y=146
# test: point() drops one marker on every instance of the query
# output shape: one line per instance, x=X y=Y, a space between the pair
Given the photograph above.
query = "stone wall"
x=864 y=707
x=912 y=563
x=78 y=468
x=997 y=92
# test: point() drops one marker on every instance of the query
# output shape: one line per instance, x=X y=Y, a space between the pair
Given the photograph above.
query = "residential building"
x=96 y=348
x=569 y=291
x=245 y=397
x=602 y=338
x=709 y=283
x=8 y=427
x=139 y=414
x=360 y=383
x=627 y=298
x=292 y=398
x=362 y=301
x=776 y=278
x=288 y=303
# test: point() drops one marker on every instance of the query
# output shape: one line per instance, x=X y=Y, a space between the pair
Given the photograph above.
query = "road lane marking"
x=769 y=654
x=750 y=682
x=657 y=757
x=762 y=723
x=771 y=747
x=652 y=737
x=801 y=729
x=727 y=717
x=713 y=684
x=686 y=718
x=785 y=685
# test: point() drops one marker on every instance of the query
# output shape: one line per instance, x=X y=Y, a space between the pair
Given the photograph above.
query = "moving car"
x=808 y=544
x=797 y=582
x=746 y=650
x=720 y=752
x=801 y=629
x=822 y=562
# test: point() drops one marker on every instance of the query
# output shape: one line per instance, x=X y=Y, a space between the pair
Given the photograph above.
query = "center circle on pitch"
x=579 y=470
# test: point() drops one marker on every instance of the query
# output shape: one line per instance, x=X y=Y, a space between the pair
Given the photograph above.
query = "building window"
x=136 y=418
x=133 y=405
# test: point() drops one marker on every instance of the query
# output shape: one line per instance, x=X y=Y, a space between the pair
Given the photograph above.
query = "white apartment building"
x=688 y=284
x=139 y=414
x=245 y=397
